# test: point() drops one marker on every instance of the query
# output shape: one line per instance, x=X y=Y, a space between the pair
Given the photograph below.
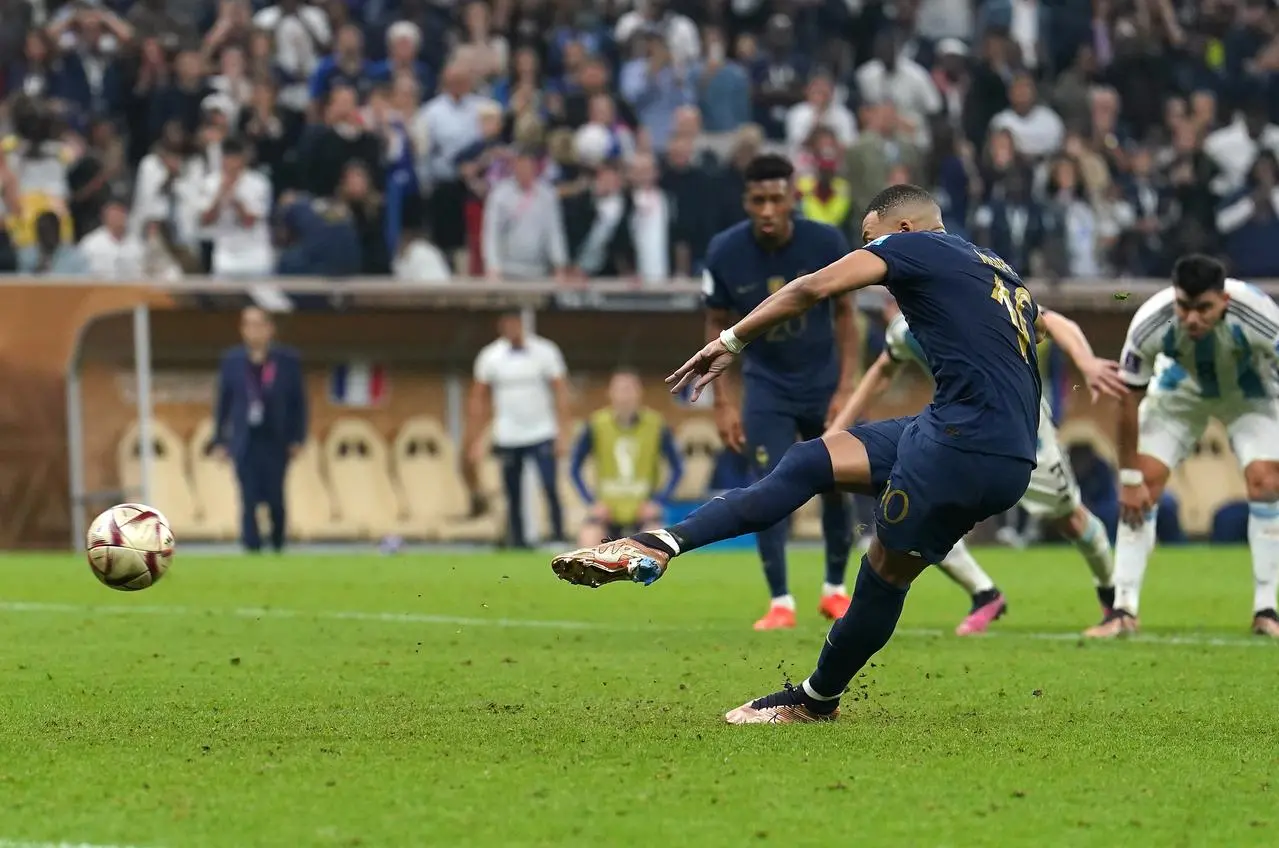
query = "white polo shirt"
x=111 y=258
x=520 y=381
x=239 y=250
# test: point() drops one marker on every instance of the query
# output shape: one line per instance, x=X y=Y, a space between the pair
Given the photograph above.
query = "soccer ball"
x=130 y=546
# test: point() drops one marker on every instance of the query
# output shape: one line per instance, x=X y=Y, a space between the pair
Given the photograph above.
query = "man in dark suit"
x=261 y=421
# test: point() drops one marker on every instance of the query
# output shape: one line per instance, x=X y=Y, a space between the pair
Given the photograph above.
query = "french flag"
x=358 y=384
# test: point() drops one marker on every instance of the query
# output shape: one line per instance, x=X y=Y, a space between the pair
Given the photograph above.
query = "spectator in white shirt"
x=819 y=109
x=111 y=251
x=521 y=388
x=302 y=37
x=419 y=261
x=523 y=230
x=451 y=120
x=1037 y=130
x=1234 y=148
x=650 y=221
x=893 y=77
x=679 y=32
x=167 y=188
x=235 y=207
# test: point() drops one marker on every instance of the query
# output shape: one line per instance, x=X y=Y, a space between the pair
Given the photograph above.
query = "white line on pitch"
x=1189 y=639
x=7 y=843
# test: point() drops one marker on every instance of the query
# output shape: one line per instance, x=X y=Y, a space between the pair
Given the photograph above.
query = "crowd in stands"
x=588 y=138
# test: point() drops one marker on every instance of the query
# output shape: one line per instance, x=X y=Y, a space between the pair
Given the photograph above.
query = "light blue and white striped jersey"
x=1237 y=360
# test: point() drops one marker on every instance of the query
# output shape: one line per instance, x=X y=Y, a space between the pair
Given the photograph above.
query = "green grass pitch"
x=460 y=700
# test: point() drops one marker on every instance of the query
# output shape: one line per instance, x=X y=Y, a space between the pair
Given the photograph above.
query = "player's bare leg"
x=807 y=469
x=1088 y=534
x=1262 y=479
x=1132 y=551
x=878 y=597
x=988 y=603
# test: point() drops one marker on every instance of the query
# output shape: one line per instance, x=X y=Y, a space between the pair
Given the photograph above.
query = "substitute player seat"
x=699 y=444
x=489 y=527
x=426 y=477
x=359 y=469
x=171 y=490
x=1207 y=480
x=217 y=493
x=312 y=513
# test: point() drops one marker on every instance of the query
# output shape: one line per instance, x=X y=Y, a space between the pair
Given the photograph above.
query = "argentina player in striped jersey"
x=1203 y=348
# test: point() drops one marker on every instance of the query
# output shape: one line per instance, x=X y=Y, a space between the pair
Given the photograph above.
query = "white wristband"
x=731 y=342
x=1131 y=477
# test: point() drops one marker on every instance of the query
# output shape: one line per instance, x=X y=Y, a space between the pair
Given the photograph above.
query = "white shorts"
x=1171 y=424
x=1053 y=491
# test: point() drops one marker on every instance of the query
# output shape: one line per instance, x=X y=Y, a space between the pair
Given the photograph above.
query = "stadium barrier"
x=108 y=388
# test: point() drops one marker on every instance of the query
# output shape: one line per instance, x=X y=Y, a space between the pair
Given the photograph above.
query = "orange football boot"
x=777 y=618
x=834 y=606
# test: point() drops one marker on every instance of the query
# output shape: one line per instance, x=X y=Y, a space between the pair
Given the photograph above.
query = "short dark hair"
x=1196 y=273
x=769 y=166
x=234 y=147
x=895 y=196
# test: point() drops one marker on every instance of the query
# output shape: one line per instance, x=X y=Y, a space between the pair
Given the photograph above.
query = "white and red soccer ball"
x=130 y=546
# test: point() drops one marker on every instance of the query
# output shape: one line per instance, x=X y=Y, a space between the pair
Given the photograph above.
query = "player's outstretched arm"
x=877 y=380
x=857 y=270
x=1100 y=375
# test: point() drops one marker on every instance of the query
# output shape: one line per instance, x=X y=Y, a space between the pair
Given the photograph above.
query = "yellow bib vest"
x=833 y=211
x=628 y=461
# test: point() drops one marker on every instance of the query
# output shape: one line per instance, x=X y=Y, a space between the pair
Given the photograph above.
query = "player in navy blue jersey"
x=967 y=457
x=796 y=378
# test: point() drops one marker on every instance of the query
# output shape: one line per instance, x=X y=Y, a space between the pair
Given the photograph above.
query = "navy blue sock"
x=855 y=638
x=804 y=471
x=837 y=530
x=771 y=543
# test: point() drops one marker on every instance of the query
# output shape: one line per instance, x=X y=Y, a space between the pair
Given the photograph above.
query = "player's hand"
x=1102 y=378
x=561 y=446
x=599 y=513
x=728 y=421
x=702 y=370
x=219 y=453
x=1134 y=504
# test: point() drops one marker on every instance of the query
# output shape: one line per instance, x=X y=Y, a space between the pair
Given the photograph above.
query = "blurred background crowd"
x=597 y=138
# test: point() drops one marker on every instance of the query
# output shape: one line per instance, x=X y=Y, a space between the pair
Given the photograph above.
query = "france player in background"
x=965 y=458
x=796 y=377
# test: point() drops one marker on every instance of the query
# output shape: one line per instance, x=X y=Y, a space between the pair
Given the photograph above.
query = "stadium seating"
x=453 y=526
x=358 y=466
x=699 y=444
x=1207 y=480
x=429 y=484
x=170 y=482
x=217 y=495
x=312 y=514
x=425 y=477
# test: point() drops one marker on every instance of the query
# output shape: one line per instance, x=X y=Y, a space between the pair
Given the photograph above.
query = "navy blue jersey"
x=797 y=361
x=974 y=319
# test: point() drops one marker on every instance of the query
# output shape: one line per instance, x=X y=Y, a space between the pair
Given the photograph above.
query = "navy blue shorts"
x=930 y=494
